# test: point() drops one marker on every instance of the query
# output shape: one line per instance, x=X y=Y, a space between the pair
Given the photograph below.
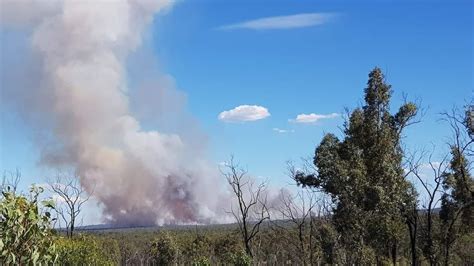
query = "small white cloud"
x=283 y=22
x=312 y=118
x=244 y=113
x=283 y=131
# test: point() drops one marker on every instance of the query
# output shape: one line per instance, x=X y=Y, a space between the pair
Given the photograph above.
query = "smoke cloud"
x=74 y=83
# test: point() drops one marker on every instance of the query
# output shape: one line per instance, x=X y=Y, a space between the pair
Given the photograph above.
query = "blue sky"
x=424 y=47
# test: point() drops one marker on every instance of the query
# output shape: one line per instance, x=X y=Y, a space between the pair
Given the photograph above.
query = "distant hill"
x=113 y=227
x=116 y=227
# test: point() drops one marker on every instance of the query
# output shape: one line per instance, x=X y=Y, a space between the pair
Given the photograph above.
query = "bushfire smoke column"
x=140 y=177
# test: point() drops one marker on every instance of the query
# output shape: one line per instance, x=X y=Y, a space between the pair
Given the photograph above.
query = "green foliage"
x=164 y=250
x=464 y=248
x=86 y=250
x=457 y=201
x=226 y=244
x=469 y=120
x=240 y=259
x=327 y=242
x=363 y=173
x=25 y=229
x=201 y=261
x=230 y=251
x=459 y=185
x=199 y=248
x=110 y=248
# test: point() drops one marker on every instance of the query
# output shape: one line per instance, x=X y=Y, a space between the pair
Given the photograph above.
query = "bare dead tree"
x=313 y=204
x=251 y=200
x=410 y=207
x=298 y=210
x=10 y=181
x=71 y=197
x=432 y=187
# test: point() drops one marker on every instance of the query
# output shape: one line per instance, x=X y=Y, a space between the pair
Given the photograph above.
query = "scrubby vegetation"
x=87 y=250
x=25 y=228
x=358 y=204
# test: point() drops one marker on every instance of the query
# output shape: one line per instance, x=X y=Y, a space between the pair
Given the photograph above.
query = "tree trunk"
x=72 y=226
x=311 y=240
x=394 y=253
x=248 y=250
x=446 y=251
x=412 y=228
x=246 y=237
x=430 y=237
x=300 y=236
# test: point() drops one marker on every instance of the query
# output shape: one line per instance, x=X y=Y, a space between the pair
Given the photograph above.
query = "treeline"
x=383 y=200
x=364 y=199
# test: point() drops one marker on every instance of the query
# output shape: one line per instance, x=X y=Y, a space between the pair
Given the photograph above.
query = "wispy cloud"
x=244 y=113
x=312 y=118
x=283 y=131
x=283 y=22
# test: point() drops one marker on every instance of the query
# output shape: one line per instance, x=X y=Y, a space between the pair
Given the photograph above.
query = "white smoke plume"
x=79 y=92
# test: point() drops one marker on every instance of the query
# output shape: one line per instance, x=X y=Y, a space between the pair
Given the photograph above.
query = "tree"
x=298 y=211
x=251 y=201
x=71 y=197
x=317 y=209
x=457 y=202
x=25 y=229
x=410 y=214
x=363 y=173
x=432 y=189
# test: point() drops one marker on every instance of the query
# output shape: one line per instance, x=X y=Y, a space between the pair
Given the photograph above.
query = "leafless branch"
x=251 y=200
x=10 y=181
x=71 y=197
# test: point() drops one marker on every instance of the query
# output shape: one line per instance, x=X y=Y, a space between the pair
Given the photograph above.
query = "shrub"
x=226 y=247
x=164 y=250
x=201 y=261
x=25 y=229
x=241 y=259
x=83 y=250
x=111 y=248
x=199 y=248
